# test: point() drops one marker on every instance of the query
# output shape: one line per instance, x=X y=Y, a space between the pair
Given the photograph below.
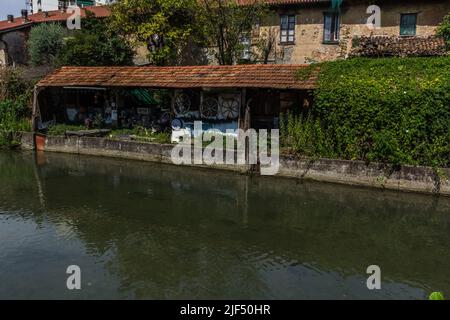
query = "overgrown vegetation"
x=390 y=110
x=45 y=42
x=95 y=45
x=227 y=24
x=142 y=134
x=60 y=129
x=164 y=27
x=137 y=133
x=304 y=135
x=175 y=31
x=15 y=98
x=443 y=30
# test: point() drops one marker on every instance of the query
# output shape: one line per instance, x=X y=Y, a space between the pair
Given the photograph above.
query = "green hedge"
x=390 y=110
x=15 y=109
x=12 y=122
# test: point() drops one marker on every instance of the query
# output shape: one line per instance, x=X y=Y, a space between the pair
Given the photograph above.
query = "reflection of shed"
x=215 y=94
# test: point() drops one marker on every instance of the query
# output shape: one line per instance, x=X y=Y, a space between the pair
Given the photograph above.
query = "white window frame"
x=287 y=35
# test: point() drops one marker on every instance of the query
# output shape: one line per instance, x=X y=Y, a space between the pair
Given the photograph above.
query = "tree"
x=165 y=27
x=44 y=43
x=95 y=45
x=226 y=22
x=267 y=45
x=443 y=30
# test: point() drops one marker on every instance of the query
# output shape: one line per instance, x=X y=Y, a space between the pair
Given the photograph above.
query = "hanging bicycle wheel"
x=230 y=108
x=182 y=104
x=210 y=108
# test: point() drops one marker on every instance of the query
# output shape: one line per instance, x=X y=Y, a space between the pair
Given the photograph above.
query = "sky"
x=14 y=7
x=11 y=7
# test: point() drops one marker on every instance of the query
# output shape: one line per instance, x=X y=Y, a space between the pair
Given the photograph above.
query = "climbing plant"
x=389 y=110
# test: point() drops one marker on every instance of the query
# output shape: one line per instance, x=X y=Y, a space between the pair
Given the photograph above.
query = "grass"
x=142 y=134
x=11 y=130
x=60 y=129
x=138 y=133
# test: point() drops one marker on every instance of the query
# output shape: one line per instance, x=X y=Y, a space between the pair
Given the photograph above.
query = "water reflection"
x=140 y=230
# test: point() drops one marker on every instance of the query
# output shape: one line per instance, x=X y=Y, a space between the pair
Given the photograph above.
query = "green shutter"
x=408 y=24
x=85 y=3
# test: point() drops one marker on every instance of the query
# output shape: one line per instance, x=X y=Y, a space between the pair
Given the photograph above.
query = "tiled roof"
x=375 y=46
x=240 y=76
x=52 y=16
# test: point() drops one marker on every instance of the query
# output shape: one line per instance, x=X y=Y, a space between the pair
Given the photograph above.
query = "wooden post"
x=242 y=107
x=200 y=107
x=172 y=101
x=36 y=113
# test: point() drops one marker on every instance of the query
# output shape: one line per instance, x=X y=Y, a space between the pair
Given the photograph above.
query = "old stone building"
x=14 y=31
x=305 y=31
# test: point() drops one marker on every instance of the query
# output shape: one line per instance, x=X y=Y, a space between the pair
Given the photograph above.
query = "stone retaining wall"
x=358 y=173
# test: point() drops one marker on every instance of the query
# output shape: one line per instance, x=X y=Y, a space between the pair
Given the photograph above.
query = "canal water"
x=144 y=231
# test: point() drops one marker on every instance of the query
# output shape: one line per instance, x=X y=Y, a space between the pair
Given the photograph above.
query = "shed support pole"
x=242 y=107
x=36 y=113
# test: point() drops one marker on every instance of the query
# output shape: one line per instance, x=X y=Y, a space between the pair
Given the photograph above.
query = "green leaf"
x=437 y=296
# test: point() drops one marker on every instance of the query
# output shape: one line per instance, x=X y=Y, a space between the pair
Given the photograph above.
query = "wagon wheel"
x=230 y=108
x=182 y=104
x=210 y=108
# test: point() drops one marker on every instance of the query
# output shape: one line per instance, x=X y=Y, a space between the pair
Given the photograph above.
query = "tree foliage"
x=225 y=23
x=44 y=43
x=165 y=27
x=95 y=45
x=443 y=30
x=389 y=110
x=15 y=100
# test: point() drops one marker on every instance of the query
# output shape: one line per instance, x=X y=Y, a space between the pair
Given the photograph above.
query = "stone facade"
x=13 y=47
x=309 y=27
x=3 y=54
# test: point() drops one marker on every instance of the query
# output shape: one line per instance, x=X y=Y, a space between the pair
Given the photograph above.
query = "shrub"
x=389 y=110
x=304 y=135
x=12 y=122
x=45 y=42
x=443 y=30
x=12 y=85
x=60 y=129
x=95 y=45
x=15 y=111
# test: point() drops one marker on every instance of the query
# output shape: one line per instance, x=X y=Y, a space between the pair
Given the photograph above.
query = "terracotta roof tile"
x=240 y=76
x=52 y=16
x=375 y=46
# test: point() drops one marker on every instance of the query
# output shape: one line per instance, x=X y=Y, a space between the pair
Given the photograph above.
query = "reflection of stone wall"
x=309 y=46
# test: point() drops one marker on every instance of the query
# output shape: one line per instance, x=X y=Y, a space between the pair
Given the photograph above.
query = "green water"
x=144 y=231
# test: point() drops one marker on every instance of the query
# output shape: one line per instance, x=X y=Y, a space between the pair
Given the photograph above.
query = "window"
x=408 y=24
x=331 y=27
x=246 y=46
x=287 y=28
